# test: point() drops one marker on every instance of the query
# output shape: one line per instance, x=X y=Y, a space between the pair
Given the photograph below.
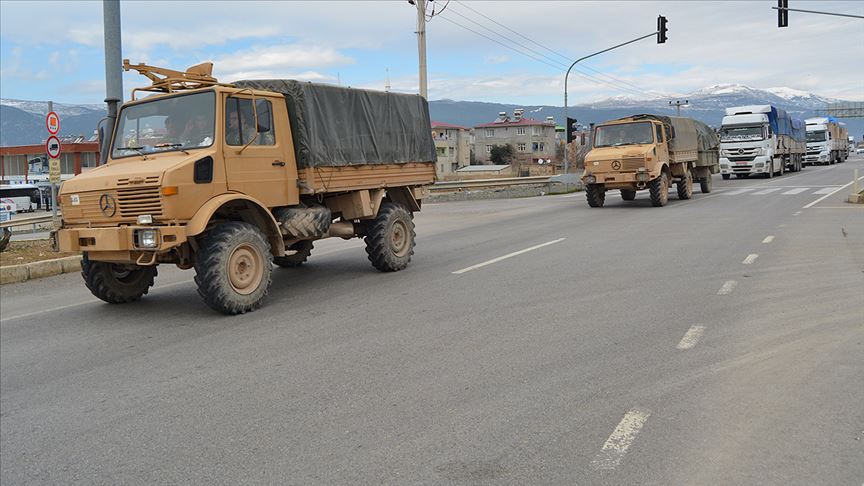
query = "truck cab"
x=821 y=134
x=760 y=139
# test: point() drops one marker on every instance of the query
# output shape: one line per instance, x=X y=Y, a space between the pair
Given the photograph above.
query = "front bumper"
x=613 y=180
x=815 y=158
x=120 y=243
x=760 y=164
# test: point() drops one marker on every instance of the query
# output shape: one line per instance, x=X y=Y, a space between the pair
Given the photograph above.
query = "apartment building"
x=533 y=140
x=453 y=146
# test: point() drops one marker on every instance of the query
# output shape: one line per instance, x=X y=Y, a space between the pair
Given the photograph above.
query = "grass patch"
x=20 y=252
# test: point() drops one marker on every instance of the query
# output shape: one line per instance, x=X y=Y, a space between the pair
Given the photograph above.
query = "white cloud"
x=278 y=61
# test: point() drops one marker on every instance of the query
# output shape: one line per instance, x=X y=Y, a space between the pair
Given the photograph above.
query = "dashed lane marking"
x=727 y=287
x=767 y=191
x=509 y=255
x=750 y=258
x=621 y=439
x=768 y=239
x=691 y=337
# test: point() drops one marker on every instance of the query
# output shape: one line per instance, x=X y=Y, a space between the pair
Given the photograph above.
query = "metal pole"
x=113 y=67
x=421 y=44
x=567 y=76
x=53 y=186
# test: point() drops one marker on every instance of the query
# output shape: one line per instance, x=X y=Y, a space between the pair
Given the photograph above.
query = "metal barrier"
x=484 y=183
x=14 y=223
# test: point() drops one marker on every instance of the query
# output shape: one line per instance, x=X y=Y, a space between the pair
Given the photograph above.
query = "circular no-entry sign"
x=52 y=123
x=52 y=146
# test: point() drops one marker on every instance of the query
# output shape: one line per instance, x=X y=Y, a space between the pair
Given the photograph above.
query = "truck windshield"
x=623 y=134
x=816 y=136
x=737 y=134
x=165 y=124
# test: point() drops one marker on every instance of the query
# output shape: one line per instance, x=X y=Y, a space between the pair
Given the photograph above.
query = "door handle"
x=278 y=163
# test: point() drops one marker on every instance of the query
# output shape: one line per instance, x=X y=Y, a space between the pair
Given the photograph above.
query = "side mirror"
x=103 y=136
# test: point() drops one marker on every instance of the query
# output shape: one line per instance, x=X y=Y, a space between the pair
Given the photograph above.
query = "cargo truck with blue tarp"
x=760 y=139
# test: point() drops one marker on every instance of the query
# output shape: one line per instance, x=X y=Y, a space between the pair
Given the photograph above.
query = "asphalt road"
x=714 y=341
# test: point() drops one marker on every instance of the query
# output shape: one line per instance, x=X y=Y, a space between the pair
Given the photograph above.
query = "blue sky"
x=53 y=50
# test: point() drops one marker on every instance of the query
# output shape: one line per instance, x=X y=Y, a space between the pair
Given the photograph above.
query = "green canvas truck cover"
x=337 y=126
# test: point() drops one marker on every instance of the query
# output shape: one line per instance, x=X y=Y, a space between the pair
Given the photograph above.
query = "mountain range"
x=22 y=122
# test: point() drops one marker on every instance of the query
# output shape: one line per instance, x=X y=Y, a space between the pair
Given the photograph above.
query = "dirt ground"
x=19 y=252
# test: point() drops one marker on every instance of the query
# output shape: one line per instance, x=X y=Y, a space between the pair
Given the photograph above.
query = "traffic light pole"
x=567 y=77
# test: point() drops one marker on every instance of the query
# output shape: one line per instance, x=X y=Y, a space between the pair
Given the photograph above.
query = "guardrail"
x=483 y=183
x=13 y=223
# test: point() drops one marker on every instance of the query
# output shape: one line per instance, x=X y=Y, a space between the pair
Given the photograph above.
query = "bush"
x=502 y=154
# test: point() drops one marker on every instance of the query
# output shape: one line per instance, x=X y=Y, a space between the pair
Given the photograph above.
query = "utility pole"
x=53 y=185
x=678 y=104
x=113 y=67
x=421 y=42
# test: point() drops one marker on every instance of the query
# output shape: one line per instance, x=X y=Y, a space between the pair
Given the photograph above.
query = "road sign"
x=52 y=123
x=52 y=146
x=54 y=170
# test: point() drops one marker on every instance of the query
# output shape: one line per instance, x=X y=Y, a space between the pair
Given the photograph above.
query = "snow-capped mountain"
x=62 y=109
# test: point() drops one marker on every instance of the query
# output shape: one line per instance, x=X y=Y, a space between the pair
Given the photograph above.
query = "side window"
x=239 y=125
x=659 y=133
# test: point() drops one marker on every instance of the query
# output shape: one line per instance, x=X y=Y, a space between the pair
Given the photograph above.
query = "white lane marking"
x=750 y=258
x=740 y=191
x=727 y=287
x=796 y=213
x=826 y=196
x=78 y=304
x=768 y=239
x=825 y=190
x=767 y=191
x=797 y=190
x=509 y=255
x=691 y=337
x=622 y=437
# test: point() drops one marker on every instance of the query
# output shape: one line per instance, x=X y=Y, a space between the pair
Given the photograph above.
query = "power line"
x=562 y=56
x=556 y=65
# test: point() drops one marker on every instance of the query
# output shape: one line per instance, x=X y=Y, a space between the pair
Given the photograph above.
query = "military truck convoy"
x=227 y=179
x=650 y=152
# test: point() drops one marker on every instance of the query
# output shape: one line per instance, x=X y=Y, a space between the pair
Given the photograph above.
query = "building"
x=29 y=163
x=453 y=147
x=533 y=140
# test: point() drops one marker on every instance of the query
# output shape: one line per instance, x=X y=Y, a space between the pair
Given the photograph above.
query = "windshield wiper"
x=138 y=150
x=172 y=145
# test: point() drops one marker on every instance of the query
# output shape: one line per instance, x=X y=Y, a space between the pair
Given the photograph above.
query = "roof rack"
x=197 y=76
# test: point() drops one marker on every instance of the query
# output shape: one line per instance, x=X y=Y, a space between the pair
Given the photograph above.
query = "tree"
x=502 y=154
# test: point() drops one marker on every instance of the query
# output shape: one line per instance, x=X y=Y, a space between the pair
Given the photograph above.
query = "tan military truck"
x=231 y=178
x=650 y=152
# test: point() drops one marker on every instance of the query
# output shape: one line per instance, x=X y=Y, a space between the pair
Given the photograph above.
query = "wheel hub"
x=399 y=238
x=245 y=269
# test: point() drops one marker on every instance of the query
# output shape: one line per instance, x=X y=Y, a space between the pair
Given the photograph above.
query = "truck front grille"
x=135 y=201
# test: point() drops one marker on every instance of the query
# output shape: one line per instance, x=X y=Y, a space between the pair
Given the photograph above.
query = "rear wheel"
x=233 y=268
x=301 y=249
x=685 y=186
x=659 y=190
x=628 y=194
x=706 y=184
x=596 y=195
x=390 y=238
x=115 y=283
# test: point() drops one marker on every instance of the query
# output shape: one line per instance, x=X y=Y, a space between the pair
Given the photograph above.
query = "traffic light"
x=571 y=129
x=782 y=13
x=661 y=29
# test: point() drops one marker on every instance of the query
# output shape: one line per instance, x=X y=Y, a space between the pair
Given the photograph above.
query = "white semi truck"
x=760 y=139
x=827 y=141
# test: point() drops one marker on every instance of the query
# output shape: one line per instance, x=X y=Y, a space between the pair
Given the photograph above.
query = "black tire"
x=304 y=222
x=628 y=194
x=659 y=190
x=390 y=238
x=684 y=187
x=302 y=251
x=596 y=195
x=706 y=184
x=233 y=268
x=726 y=177
x=115 y=283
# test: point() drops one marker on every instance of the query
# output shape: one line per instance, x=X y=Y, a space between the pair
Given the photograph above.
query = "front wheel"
x=596 y=195
x=726 y=177
x=659 y=190
x=233 y=268
x=117 y=283
x=390 y=238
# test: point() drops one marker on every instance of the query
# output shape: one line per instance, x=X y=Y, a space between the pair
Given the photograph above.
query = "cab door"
x=256 y=162
x=662 y=145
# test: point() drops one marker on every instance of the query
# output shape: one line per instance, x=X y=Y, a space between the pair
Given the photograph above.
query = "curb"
x=44 y=268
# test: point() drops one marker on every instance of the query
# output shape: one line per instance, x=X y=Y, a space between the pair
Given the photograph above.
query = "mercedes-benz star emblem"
x=616 y=164
x=741 y=151
x=108 y=205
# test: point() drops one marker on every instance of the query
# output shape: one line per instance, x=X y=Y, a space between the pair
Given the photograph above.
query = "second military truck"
x=650 y=152
x=231 y=178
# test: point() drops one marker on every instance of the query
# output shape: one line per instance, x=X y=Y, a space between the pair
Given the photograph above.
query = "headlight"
x=147 y=238
x=145 y=219
x=759 y=164
x=590 y=179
